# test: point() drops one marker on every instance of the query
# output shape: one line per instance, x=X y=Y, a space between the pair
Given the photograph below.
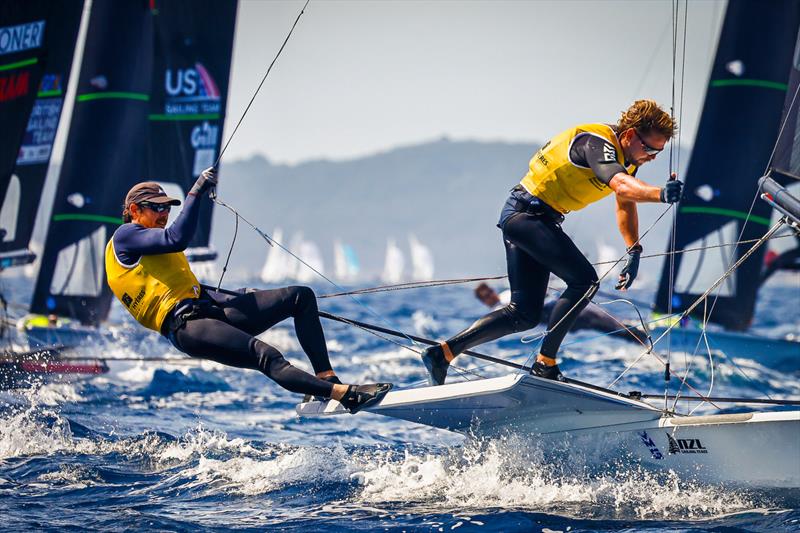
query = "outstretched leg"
x=219 y=341
x=256 y=312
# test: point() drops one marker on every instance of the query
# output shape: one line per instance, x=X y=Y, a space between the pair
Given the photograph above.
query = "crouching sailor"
x=577 y=167
x=148 y=272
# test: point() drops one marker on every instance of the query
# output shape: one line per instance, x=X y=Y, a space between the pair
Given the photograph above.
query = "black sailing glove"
x=207 y=180
x=672 y=192
x=631 y=268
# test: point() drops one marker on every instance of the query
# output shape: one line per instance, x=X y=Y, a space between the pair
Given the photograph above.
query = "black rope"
x=262 y=82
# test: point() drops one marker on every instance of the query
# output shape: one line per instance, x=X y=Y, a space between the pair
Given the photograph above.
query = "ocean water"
x=197 y=446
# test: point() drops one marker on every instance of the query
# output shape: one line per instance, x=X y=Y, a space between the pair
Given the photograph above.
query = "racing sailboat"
x=603 y=426
x=37 y=48
x=738 y=127
x=610 y=427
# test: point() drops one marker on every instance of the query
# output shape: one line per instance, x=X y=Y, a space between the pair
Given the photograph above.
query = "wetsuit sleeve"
x=132 y=241
x=598 y=154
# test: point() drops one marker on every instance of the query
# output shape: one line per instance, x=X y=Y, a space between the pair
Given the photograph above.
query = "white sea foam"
x=27 y=433
x=492 y=475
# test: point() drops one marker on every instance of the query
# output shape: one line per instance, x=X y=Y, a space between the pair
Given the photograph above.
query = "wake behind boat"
x=605 y=428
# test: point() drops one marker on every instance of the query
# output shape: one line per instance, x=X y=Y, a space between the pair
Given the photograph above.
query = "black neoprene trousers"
x=535 y=247
x=226 y=334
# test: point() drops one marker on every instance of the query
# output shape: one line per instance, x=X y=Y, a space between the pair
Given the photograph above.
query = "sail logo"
x=14 y=86
x=21 y=37
x=685 y=445
x=191 y=91
x=204 y=136
x=651 y=446
x=204 y=139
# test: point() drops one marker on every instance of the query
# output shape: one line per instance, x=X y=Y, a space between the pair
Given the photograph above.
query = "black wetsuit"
x=223 y=328
x=535 y=247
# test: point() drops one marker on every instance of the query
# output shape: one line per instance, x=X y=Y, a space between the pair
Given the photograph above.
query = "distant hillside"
x=447 y=193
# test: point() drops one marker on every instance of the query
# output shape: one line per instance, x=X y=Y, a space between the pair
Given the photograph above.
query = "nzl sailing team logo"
x=685 y=445
x=190 y=91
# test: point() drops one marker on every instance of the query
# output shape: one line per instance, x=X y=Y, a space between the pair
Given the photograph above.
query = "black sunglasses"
x=158 y=208
x=649 y=150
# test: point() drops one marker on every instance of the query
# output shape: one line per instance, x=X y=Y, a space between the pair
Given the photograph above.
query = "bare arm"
x=628 y=221
x=631 y=189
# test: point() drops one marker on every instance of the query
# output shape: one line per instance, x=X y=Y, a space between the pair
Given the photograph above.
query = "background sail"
x=37 y=42
x=193 y=47
x=102 y=160
x=737 y=132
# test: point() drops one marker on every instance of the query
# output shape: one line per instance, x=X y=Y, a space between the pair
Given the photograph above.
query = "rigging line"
x=411 y=285
x=688 y=364
x=230 y=250
x=455 y=281
x=716 y=284
x=273 y=242
x=739 y=238
x=592 y=290
x=685 y=313
x=269 y=69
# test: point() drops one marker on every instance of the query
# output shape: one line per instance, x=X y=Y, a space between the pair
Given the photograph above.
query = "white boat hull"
x=751 y=449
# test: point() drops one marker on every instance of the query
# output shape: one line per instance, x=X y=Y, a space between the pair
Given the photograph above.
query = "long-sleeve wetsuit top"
x=598 y=154
x=132 y=241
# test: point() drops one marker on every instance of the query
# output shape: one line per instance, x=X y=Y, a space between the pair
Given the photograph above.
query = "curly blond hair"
x=647 y=116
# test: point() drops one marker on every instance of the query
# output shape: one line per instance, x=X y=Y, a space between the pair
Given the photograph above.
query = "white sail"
x=275 y=267
x=394 y=264
x=346 y=266
x=421 y=260
x=310 y=254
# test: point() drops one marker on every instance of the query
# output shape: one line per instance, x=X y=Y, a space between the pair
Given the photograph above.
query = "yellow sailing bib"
x=562 y=184
x=150 y=288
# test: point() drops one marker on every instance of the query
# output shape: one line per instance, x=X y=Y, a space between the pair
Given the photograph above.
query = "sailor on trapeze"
x=148 y=272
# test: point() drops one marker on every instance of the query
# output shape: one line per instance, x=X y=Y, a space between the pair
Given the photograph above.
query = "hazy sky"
x=363 y=76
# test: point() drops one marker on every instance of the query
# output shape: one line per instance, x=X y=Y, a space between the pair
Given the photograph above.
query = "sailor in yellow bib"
x=577 y=167
x=148 y=272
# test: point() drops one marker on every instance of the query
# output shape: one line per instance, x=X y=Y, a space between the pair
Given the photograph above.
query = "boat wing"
x=519 y=402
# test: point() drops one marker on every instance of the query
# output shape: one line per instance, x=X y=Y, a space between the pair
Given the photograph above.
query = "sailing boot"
x=360 y=397
x=436 y=363
x=329 y=379
x=547 y=371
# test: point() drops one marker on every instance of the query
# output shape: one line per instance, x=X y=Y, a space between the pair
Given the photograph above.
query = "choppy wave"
x=181 y=447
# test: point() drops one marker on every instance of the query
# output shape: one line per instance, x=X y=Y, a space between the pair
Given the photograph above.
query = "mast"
x=737 y=131
x=37 y=43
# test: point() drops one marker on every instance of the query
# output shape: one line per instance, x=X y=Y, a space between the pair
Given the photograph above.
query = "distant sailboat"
x=345 y=262
x=276 y=267
x=421 y=260
x=394 y=263
x=312 y=257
